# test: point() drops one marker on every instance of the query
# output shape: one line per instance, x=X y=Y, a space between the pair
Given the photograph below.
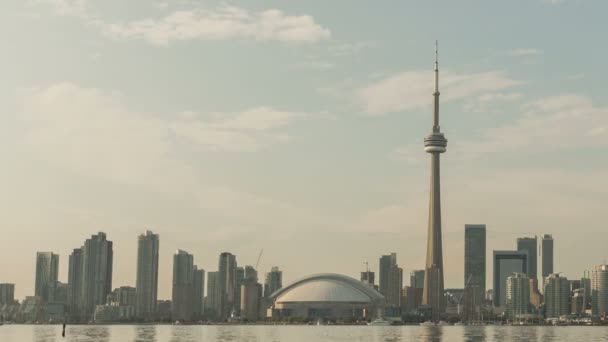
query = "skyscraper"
x=240 y=279
x=75 y=283
x=251 y=273
x=212 y=298
x=227 y=285
x=274 y=281
x=586 y=287
x=547 y=255
x=147 y=275
x=251 y=296
x=577 y=302
x=183 y=286
x=435 y=144
x=97 y=258
x=557 y=296
x=395 y=286
x=198 y=292
x=475 y=261
x=386 y=262
x=368 y=277
x=47 y=270
x=517 y=295
x=417 y=279
x=58 y=294
x=412 y=294
x=123 y=296
x=599 y=290
x=505 y=264
x=7 y=294
x=529 y=244
x=536 y=298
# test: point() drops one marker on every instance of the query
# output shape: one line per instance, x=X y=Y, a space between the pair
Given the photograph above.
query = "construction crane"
x=259 y=257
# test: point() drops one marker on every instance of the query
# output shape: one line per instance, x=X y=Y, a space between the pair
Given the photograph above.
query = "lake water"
x=142 y=333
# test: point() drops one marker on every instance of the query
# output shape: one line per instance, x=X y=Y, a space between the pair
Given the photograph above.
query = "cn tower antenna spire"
x=436 y=92
x=436 y=67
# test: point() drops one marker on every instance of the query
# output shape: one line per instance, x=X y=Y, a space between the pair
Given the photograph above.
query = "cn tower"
x=435 y=144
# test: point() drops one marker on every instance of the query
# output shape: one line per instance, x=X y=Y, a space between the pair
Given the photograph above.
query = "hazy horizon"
x=298 y=127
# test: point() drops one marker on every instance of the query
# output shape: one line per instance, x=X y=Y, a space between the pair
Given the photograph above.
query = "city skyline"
x=474 y=266
x=240 y=139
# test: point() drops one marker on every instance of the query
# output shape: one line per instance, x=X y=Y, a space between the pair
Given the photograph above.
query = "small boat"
x=380 y=322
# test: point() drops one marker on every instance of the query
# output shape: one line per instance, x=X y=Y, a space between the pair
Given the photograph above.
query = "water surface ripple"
x=260 y=333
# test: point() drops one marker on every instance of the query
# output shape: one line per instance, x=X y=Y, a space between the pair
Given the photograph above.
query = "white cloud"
x=349 y=49
x=411 y=154
x=72 y=8
x=314 y=64
x=552 y=123
x=92 y=132
x=412 y=89
x=222 y=23
x=526 y=52
x=249 y=130
x=490 y=102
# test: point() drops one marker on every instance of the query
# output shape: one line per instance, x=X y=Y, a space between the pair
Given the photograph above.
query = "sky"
x=297 y=128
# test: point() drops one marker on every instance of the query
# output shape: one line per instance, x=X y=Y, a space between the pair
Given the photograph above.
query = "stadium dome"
x=329 y=296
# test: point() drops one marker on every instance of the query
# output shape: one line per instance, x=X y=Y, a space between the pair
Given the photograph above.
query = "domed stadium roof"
x=330 y=288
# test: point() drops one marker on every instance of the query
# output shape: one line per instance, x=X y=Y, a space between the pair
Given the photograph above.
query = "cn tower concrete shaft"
x=435 y=144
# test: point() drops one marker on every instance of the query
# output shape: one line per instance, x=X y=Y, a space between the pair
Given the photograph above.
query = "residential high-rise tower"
x=517 y=295
x=183 y=286
x=75 y=283
x=97 y=258
x=213 y=294
x=274 y=281
x=385 y=264
x=557 y=296
x=147 y=275
x=198 y=293
x=227 y=285
x=47 y=270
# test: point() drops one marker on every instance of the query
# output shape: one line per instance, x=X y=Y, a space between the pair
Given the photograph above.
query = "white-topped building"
x=327 y=296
